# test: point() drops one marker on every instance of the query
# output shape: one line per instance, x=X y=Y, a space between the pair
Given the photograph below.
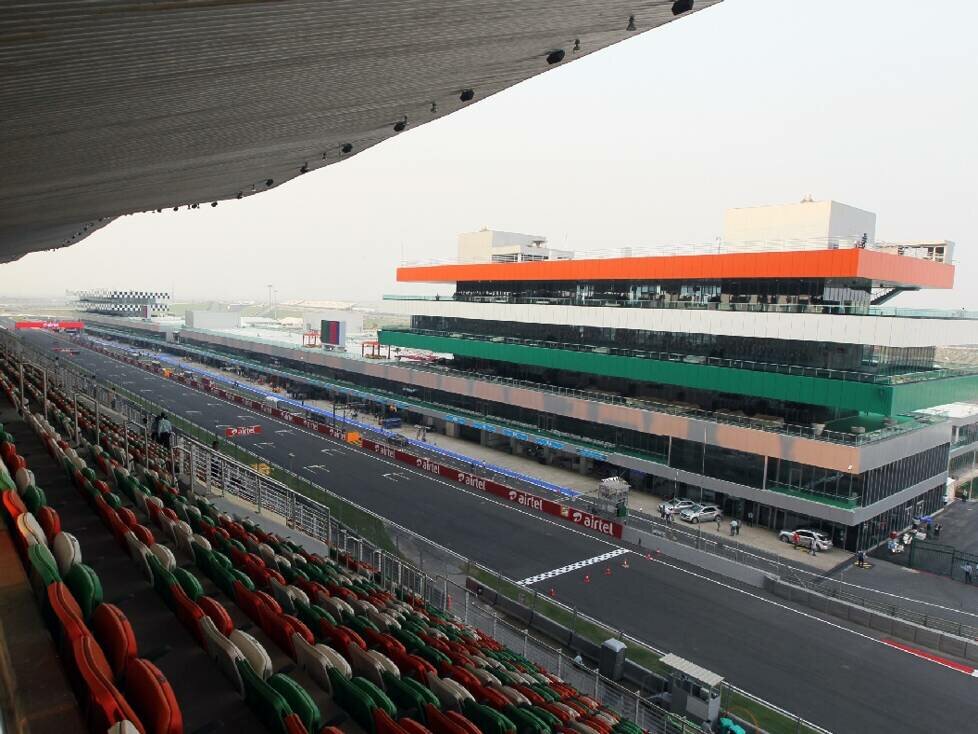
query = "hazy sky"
x=873 y=103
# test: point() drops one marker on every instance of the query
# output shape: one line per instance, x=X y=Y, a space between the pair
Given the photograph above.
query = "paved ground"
x=842 y=678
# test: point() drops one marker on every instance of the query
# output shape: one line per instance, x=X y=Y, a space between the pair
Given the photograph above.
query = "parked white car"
x=699 y=513
x=806 y=537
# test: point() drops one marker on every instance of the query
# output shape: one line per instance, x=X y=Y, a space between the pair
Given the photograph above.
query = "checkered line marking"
x=572 y=567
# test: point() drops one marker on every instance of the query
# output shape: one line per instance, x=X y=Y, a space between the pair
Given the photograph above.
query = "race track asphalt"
x=841 y=678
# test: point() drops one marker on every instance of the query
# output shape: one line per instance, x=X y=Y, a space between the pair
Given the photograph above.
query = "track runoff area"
x=843 y=678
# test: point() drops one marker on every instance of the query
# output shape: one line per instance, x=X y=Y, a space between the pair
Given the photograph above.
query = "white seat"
x=182 y=534
x=255 y=654
x=267 y=554
x=30 y=530
x=515 y=697
x=281 y=594
x=449 y=693
x=140 y=554
x=67 y=551
x=23 y=478
x=385 y=662
x=123 y=727
x=222 y=651
x=314 y=661
x=298 y=594
x=365 y=666
x=485 y=677
x=339 y=662
x=164 y=555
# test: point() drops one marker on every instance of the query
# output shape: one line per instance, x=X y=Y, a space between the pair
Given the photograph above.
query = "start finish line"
x=232 y=431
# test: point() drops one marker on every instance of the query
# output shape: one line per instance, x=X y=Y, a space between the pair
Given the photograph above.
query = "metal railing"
x=691 y=304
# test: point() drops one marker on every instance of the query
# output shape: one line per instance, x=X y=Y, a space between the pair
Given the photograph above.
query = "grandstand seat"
x=315 y=661
x=223 y=652
x=86 y=587
x=43 y=569
x=67 y=551
x=357 y=703
x=104 y=703
x=49 y=520
x=114 y=633
x=270 y=705
x=187 y=612
x=218 y=614
x=33 y=497
x=152 y=697
x=298 y=699
x=140 y=553
x=13 y=505
x=256 y=655
x=66 y=614
x=189 y=583
x=30 y=530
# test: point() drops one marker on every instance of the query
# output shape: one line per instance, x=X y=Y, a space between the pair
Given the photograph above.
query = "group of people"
x=162 y=430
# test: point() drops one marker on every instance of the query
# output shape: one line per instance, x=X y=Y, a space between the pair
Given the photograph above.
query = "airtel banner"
x=231 y=432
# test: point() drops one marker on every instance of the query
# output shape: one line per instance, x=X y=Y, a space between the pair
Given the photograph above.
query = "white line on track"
x=572 y=567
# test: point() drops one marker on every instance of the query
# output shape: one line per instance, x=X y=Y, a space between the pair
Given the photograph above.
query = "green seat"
x=544 y=692
x=298 y=699
x=270 y=705
x=353 y=700
x=243 y=578
x=33 y=498
x=89 y=474
x=311 y=614
x=526 y=721
x=360 y=623
x=410 y=696
x=112 y=500
x=43 y=565
x=222 y=559
x=85 y=587
x=487 y=719
x=379 y=698
x=163 y=580
x=189 y=583
x=546 y=717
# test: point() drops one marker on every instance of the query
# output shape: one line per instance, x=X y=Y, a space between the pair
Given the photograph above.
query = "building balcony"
x=846 y=503
x=867 y=392
x=746 y=304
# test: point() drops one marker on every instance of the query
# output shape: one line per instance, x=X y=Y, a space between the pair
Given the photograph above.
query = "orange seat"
x=104 y=704
x=188 y=612
x=67 y=613
x=114 y=633
x=153 y=698
x=144 y=534
x=13 y=505
x=49 y=520
x=218 y=614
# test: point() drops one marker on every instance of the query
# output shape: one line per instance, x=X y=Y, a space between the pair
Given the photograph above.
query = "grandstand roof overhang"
x=111 y=106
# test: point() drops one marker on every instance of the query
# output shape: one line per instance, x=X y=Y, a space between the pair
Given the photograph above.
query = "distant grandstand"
x=124 y=303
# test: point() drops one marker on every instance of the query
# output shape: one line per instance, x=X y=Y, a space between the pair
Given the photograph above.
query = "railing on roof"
x=909 y=249
x=694 y=305
x=701 y=360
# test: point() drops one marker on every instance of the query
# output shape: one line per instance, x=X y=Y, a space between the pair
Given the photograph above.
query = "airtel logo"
x=512 y=495
x=577 y=516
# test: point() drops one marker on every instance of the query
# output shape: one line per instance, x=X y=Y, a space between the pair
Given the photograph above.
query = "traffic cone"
x=587 y=579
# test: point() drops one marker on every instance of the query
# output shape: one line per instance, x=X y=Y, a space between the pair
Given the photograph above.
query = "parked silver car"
x=676 y=505
x=806 y=537
x=698 y=513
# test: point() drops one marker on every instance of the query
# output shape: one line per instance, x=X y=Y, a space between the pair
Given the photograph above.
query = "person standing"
x=164 y=429
x=968 y=570
x=717 y=518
